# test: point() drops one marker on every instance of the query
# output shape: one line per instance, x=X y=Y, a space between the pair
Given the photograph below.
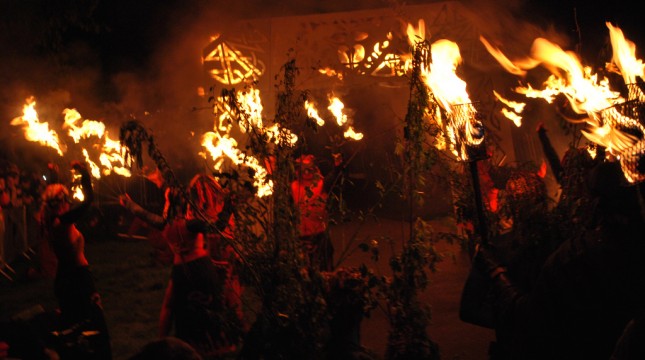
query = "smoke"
x=121 y=59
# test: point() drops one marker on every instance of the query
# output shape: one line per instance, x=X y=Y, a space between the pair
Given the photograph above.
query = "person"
x=79 y=301
x=14 y=214
x=193 y=307
x=575 y=206
x=589 y=288
x=310 y=192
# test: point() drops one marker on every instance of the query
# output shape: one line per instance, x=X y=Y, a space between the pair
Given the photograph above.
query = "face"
x=58 y=206
x=307 y=173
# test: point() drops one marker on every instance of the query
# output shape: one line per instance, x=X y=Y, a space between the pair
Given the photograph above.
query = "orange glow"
x=336 y=108
x=222 y=147
x=87 y=129
x=516 y=109
x=624 y=57
x=313 y=113
x=35 y=130
x=416 y=34
x=450 y=92
x=611 y=119
x=351 y=134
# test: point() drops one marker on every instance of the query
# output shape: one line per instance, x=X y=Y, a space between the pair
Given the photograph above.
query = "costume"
x=310 y=192
x=195 y=302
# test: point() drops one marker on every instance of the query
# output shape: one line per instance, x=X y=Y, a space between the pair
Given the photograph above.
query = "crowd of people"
x=202 y=307
x=554 y=282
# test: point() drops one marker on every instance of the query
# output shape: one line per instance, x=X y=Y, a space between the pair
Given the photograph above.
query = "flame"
x=516 y=109
x=87 y=129
x=95 y=170
x=336 y=108
x=624 y=57
x=77 y=193
x=251 y=104
x=222 y=147
x=112 y=159
x=91 y=132
x=351 y=134
x=331 y=73
x=35 y=130
x=313 y=113
x=612 y=121
x=418 y=34
x=450 y=92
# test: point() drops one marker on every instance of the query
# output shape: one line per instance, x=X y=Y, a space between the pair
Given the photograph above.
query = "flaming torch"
x=35 y=130
x=612 y=121
x=463 y=127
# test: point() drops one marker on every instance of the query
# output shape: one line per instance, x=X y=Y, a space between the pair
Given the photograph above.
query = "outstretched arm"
x=149 y=217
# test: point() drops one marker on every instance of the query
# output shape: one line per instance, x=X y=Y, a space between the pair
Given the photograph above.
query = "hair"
x=207 y=194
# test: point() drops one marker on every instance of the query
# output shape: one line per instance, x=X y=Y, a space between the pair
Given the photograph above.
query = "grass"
x=130 y=282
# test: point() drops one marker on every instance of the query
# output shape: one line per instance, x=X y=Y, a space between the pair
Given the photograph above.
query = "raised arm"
x=88 y=196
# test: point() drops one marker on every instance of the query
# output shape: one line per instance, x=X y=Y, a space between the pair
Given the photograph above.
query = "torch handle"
x=482 y=224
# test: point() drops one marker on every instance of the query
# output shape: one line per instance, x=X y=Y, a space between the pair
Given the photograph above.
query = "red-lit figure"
x=195 y=305
x=310 y=194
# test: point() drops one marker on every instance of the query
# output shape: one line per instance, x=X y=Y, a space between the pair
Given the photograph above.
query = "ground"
x=131 y=283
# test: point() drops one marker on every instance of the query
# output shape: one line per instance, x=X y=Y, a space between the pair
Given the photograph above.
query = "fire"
x=450 y=92
x=351 y=134
x=90 y=135
x=516 y=109
x=624 y=58
x=612 y=121
x=251 y=104
x=222 y=147
x=313 y=113
x=35 y=130
x=87 y=129
x=112 y=159
x=416 y=34
x=336 y=107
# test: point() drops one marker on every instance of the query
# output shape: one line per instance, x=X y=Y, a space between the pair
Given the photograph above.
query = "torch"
x=463 y=127
x=468 y=144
